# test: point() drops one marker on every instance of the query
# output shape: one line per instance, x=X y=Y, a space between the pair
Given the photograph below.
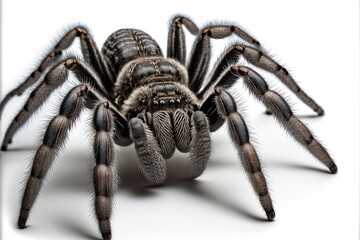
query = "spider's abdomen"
x=125 y=45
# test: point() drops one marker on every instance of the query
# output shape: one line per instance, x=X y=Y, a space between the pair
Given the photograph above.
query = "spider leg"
x=176 y=47
x=32 y=79
x=122 y=131
x=91 y=54
x=53 y=79
x=53 y=141
x=198 y=64
x=103 y=175
x=261 y=60
x=282 y=112
x=249 y=159
x=211 y=111
x=151 y=162
x=200 y=145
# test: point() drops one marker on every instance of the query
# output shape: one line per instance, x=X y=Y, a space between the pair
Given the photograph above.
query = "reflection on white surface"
x=309 y=202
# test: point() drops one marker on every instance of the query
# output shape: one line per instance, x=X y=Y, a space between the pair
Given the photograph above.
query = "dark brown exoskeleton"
x=159 y=104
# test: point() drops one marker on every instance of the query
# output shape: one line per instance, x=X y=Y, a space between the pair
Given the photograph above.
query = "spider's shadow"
x=135 y=183
x=303 y=115
x=20 y=149
x=79 y=230
x=290 y=165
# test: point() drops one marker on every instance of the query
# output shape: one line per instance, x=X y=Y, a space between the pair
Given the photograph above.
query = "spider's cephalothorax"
x=159 y=104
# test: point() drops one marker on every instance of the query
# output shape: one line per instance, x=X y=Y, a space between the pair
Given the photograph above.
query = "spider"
x=138 y=96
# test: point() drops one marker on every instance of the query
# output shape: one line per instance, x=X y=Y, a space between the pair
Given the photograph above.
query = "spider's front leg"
x=104 y=179
x=53 y=141
x=240 y=136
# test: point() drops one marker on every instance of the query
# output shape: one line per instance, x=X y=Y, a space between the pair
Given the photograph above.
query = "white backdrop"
x=317 y=40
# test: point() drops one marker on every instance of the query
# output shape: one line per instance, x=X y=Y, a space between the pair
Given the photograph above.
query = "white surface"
x=317 y=40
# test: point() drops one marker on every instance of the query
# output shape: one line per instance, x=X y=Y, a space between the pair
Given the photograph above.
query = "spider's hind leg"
x=249 y=158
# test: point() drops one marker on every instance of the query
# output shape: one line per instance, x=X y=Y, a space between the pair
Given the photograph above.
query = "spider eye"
x=171 y=102
x=162 y=103
x=178 y=102
x=155 y=104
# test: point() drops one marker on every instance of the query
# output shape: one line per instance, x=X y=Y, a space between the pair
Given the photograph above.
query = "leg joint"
x=225 y=102
x=81 y=32
x=70 y=63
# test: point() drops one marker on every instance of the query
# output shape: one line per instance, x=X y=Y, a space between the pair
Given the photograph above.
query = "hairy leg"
x=261 y=60
x=198 y=64
x=211 y=111
x=103 y=174
x=53 y=80
x=53 y=141
x=176 y=47
x=122 y=131
x=32 y=79
x=282 y=112
x=249 y=158
x=91 y=55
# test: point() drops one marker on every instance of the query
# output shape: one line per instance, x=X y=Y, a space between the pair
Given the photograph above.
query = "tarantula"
x=159 y=104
